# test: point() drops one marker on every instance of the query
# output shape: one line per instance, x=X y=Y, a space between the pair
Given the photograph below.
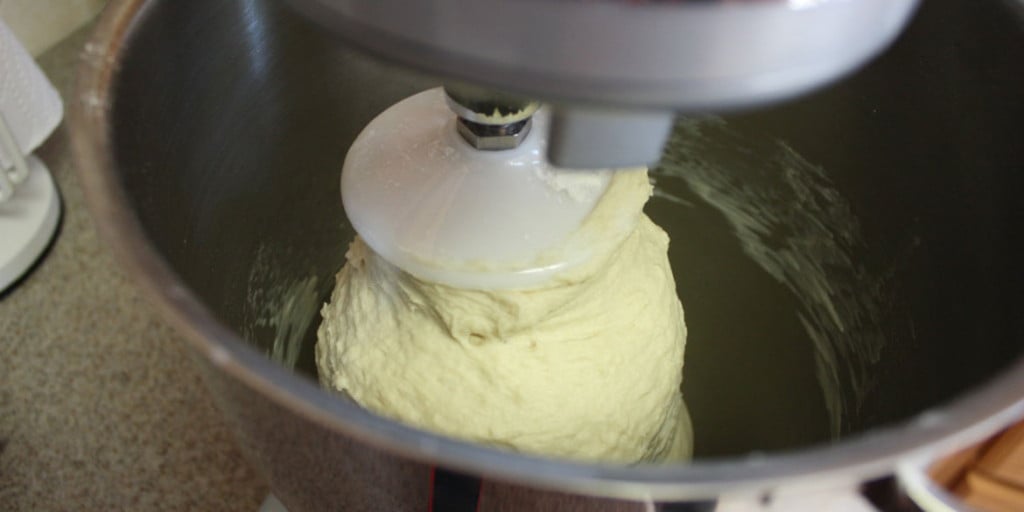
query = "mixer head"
x=617 y=71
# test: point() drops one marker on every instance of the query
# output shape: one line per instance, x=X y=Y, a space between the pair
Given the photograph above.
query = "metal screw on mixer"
x=488 y=120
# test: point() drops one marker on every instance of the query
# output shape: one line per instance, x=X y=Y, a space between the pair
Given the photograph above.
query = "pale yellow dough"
x=587 y=368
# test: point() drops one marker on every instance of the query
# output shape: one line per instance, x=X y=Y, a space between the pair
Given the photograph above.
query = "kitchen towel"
x=30 y=105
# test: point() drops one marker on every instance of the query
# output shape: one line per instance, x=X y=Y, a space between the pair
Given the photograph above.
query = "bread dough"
x=587 y=367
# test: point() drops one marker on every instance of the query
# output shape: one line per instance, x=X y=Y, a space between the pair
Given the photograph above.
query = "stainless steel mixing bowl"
x=848 y=261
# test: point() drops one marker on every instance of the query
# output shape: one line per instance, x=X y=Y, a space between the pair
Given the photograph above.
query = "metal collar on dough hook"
x=488 y=120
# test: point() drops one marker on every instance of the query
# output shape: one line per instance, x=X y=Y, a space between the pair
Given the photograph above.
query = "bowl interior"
x=845 y=260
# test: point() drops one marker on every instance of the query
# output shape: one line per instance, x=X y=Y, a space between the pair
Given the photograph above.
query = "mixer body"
x=619 y=70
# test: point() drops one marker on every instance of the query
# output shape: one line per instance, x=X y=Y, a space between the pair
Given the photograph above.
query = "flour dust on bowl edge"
x=846 y=260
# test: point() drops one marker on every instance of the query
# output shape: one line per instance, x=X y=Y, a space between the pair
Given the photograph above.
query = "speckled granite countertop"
x=100 y=407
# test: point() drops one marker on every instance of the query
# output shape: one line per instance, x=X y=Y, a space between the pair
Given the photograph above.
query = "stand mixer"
x=616 y=73
x=934 y=191
x=477 y=186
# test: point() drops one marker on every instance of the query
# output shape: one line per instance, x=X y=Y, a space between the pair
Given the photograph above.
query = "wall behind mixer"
x=251 y=174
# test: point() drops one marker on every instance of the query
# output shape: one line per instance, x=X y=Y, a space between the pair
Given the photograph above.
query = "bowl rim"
x=877 y=452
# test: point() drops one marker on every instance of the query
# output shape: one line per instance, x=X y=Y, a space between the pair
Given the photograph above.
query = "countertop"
x=100 y=406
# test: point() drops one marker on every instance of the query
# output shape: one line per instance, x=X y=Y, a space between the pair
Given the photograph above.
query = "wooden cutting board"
x=988 y=476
